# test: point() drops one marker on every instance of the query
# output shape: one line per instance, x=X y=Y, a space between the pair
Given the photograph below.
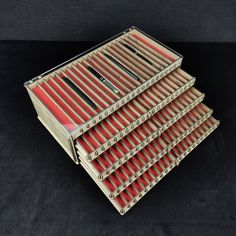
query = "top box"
x=81 y=92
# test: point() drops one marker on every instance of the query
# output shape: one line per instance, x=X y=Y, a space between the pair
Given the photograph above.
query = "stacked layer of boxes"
x=131 y=138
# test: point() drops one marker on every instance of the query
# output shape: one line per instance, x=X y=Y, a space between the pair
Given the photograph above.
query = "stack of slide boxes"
x=135 y=117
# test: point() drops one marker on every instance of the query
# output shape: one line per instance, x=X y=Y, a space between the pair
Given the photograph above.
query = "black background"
x=42 y=192
x=168 y=20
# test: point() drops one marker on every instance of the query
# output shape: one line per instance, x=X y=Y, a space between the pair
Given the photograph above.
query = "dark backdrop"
x=42 y=192
x=76 y=20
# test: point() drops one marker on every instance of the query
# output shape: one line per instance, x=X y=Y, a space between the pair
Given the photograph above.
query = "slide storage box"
x=128 y=114
x=66 y=134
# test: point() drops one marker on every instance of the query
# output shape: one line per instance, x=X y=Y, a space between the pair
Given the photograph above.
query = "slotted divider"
x=147 y=104
x=125 y=111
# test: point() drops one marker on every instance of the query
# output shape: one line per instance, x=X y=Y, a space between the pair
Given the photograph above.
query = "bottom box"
x=127 y=198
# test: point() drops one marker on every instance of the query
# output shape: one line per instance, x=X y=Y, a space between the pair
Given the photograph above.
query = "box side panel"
x=54 y=127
